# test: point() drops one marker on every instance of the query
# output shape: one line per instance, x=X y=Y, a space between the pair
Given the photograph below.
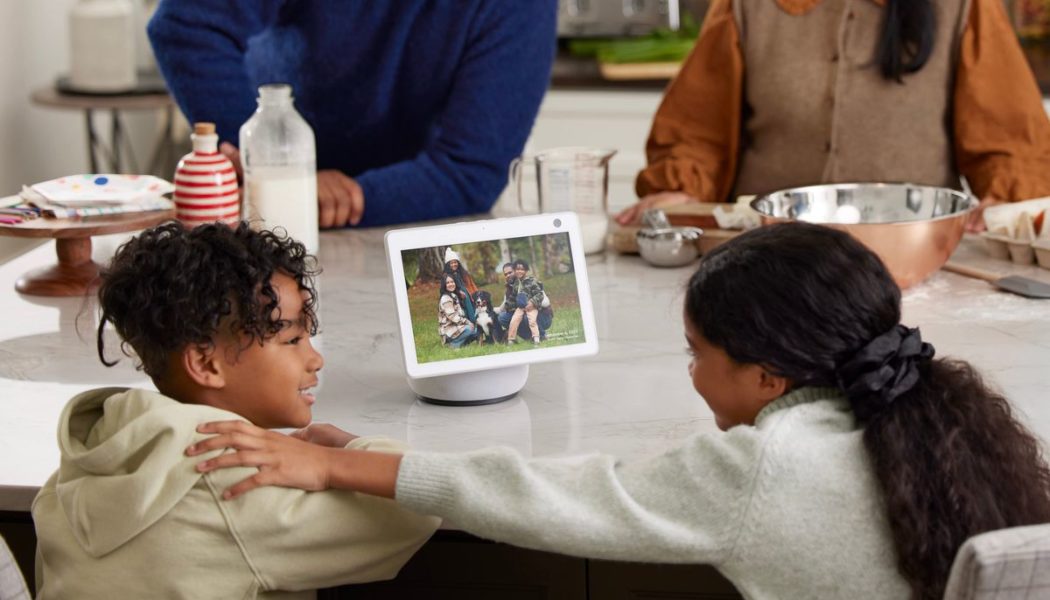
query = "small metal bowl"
x=670 y=247
x=912 y=228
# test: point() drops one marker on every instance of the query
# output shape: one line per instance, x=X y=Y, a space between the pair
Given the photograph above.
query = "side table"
x=116 y=151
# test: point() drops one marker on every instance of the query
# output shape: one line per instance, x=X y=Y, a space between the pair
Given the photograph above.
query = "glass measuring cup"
x=572 y=178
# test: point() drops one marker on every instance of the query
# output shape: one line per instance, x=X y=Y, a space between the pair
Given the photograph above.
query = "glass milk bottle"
x=280 y=175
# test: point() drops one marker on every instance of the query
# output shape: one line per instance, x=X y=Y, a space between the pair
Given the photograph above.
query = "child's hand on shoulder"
x=282 y=460
x=324 y=434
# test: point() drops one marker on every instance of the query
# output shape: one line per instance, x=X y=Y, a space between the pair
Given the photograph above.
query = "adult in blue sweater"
x=418 y=106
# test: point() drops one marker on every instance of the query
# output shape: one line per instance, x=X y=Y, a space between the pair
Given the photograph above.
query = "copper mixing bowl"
x=912 y=228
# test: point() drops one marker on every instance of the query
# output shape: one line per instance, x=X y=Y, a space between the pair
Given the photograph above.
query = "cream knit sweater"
x=788 y=508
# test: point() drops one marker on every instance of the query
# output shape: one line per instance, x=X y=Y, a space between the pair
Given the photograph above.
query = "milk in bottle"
x=280 y=175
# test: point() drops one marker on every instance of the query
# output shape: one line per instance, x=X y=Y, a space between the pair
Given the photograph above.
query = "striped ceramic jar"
x=206 y=183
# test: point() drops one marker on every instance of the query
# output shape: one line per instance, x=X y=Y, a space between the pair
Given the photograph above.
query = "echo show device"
x=478 y=302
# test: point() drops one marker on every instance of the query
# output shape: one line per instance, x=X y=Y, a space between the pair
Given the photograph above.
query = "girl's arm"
x=686 y=505
x=285 y=461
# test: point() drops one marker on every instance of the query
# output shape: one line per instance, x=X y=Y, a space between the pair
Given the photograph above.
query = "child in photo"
x=220 y=319
x=528 y=295
x=852 y=463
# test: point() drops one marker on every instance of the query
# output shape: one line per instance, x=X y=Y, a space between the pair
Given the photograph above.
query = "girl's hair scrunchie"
x=884 y=369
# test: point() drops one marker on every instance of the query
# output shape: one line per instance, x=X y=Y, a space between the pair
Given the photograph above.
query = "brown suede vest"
x=817 y=109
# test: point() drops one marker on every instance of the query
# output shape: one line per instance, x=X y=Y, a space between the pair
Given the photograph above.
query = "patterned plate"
x=101 y=189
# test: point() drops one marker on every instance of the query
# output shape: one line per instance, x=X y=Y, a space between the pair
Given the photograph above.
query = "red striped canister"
x=206 y=183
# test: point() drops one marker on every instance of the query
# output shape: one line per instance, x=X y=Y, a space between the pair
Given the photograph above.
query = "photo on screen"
x=491 y=297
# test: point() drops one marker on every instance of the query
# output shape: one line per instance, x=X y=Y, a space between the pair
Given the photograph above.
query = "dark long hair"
x=907 y=37
x=464 y=280
x=444 y=292
x=805 y=302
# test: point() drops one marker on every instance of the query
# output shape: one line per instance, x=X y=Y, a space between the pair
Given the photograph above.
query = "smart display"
x=491 y=294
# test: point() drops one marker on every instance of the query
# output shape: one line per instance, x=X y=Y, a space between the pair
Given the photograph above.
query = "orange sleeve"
x=1002 y=134
x=695 y=137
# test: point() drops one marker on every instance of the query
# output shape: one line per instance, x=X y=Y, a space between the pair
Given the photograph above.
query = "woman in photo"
x=453 y=325
x=455 y=268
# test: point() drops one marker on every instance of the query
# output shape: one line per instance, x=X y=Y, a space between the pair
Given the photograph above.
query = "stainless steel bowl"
x=913 y=228
x=670 y=247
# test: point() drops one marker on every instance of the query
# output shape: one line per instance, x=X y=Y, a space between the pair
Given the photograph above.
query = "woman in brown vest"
x=783 y=93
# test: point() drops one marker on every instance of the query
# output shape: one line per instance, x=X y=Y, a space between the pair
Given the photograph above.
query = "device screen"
x=491 y=297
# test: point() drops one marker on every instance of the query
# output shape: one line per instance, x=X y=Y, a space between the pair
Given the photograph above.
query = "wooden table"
x=75 y=273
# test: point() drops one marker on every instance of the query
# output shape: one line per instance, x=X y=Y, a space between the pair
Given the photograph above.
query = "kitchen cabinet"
x=643 y=581
x=20 y=536
x=454 y=565
x=458 y=566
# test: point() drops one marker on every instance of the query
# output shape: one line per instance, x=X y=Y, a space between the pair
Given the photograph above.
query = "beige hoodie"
x=128 y=516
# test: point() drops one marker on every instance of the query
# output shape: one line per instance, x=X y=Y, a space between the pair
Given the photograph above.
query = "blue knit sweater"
x=424 y=102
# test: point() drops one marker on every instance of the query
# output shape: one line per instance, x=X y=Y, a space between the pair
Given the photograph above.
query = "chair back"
x=1007 y=564
x=12 y=585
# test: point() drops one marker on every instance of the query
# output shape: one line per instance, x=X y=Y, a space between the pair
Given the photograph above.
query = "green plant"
x=662 y=45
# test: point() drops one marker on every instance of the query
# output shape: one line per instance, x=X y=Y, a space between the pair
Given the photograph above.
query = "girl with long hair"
x=853 y=461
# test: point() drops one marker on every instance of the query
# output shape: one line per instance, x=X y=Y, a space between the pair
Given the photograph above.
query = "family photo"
x=495 y=296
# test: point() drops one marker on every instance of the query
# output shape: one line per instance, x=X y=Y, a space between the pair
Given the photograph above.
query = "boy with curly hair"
x=528 y=295
x=220 y=319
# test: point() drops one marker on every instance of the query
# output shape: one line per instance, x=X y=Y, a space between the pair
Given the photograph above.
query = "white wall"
x=37 y=144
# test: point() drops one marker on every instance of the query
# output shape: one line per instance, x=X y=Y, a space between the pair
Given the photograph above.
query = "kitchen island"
x=634 y=399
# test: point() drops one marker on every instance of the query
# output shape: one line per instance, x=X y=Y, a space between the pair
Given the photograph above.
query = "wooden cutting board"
x=635 y=71
x=697 y=214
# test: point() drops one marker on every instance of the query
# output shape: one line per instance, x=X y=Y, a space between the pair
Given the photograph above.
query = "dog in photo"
x=487 y=320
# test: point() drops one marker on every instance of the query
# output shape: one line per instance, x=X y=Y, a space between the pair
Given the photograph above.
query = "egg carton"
x=1017 y=232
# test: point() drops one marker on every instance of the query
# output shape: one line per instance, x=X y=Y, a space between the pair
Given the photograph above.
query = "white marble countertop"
x=633 y=399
